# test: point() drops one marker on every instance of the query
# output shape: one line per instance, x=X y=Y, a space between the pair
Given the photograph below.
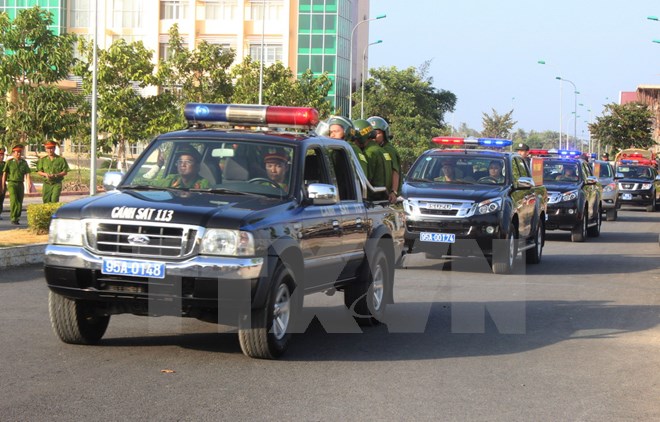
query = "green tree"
x=280 y=87
x=414 y=108
x=32 y=59
x=124 y=115
x=624 y=126
x=497 y=125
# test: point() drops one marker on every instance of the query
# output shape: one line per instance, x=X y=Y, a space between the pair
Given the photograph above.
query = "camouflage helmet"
x=380 y=123
x=363 y=130
x=349 y=130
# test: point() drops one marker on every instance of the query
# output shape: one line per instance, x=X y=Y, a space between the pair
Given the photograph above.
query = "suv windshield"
x=635 y=172
x=560 y=171
x=196 y=164
x=463 y=169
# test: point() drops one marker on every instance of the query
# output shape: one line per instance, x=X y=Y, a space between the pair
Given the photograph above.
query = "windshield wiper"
x=145 y=187
x=224 y=190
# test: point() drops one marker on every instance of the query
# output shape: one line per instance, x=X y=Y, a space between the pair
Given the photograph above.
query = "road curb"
x=15 y=256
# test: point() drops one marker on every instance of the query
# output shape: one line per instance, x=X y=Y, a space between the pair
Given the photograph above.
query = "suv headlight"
x=489 y=206
x=227 y=242
x=569 y=196
x=609 y=187
x=646 y=186
x=65 y=232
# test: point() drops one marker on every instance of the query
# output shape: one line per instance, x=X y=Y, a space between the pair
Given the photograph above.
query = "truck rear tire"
x=267 y=333
x=76 y=321
x=367 y=297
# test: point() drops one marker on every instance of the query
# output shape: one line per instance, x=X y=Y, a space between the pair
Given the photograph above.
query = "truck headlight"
x=227 y=242
x=65 y=232
x=646 y=186
x=489 y=206
x=609 y=187
x=569 y=196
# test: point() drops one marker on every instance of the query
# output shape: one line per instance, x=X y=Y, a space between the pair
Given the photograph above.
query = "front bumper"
x=563 y=216
x=198 y=282
x=636 y=197
x=474 y=234
x=610 y=200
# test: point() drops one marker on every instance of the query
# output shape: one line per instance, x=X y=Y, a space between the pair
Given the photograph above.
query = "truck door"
x=355 y=225
x=524 y=199
x=321 y=234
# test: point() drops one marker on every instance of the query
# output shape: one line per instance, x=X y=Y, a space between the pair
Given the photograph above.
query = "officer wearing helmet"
x=378 y=172
x=341 y=128
x=383 y=137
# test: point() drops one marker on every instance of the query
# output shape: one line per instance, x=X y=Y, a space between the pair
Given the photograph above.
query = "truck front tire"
x=76 y=321
x=266 y=334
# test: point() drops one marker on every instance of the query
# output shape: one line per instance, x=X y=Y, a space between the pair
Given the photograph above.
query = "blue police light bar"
x=569 y=153
x=252 y=115
x=494 y=142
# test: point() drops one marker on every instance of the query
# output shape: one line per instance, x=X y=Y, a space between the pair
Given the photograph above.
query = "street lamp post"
x=350 y=64
x=364 y=61
x=92 y=150
x=575 y=92
x=560 y=101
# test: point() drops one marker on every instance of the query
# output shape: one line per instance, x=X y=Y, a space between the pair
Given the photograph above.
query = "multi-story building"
x=302 y=34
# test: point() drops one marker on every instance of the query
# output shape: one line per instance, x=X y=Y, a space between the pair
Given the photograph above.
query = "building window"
x=79 y=14
x=173 y=9
x=220 y=9
x=127 y=13
x=272 y=53
x=273 y=9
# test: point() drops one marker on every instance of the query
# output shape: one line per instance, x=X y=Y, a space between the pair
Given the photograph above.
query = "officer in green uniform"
x=342 y=128
x=378 y=171
x=53 y=168
x=187 y=176
x=383 y=138
x=15 y=173
x=3 y=187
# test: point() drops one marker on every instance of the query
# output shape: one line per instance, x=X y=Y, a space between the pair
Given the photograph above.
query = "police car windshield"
x=453 y=169
x=214 y=165
x=563 y=171
x=636 y=172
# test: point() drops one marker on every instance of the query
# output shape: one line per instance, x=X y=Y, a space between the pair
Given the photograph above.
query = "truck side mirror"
x=111 y=180
x=322 y=194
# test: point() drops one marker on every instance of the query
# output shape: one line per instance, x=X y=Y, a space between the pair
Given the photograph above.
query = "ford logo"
x=138 y=239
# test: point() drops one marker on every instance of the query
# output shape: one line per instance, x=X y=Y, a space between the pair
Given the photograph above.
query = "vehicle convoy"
x=574 y=194
x=604 y=171
x=197 y=228
x=474 y=203
x=639 y=185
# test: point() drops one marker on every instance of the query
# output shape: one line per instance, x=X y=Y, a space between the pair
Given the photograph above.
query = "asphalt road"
x=576 y=337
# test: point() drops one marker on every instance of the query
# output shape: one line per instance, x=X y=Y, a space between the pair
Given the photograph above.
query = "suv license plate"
x=626 y=196
x=437 y=237
x=132 y=268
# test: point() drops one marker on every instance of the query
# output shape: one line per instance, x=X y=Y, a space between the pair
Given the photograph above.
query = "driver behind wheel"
x=277 y=165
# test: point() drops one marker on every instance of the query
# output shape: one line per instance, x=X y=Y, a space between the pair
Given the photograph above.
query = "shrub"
x=39 y=215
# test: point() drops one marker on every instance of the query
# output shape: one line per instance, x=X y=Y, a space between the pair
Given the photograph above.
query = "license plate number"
x=133 y=268
x=626 y=196
x=437 y=237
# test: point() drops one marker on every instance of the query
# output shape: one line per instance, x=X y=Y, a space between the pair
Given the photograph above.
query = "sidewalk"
x=29 y=254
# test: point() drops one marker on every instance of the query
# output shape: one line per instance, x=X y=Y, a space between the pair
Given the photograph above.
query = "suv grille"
x=141 y=240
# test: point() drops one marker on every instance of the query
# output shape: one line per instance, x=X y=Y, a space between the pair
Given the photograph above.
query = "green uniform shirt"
x=57 y=165
x=396 y=162
x=361 y=158
x=16 y=170
x=379 y=172
x=175 y=181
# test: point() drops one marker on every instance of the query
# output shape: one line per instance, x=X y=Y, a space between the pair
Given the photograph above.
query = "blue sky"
x=486 y=52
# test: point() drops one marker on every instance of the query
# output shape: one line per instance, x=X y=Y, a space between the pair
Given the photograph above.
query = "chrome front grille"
x=141 y=240
x=437 y=207
x=628 y=186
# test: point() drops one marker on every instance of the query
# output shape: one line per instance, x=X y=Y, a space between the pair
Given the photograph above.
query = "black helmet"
x=380 y=123
x=349 y=130
x=363 y=131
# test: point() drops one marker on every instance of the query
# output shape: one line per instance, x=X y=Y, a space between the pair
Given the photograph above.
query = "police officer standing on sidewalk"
x=2 y=187
x=15 y=173
x=53 y=168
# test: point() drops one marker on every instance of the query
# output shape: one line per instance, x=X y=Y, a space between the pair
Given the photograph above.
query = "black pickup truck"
x=458 y=204
x=232 y=243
